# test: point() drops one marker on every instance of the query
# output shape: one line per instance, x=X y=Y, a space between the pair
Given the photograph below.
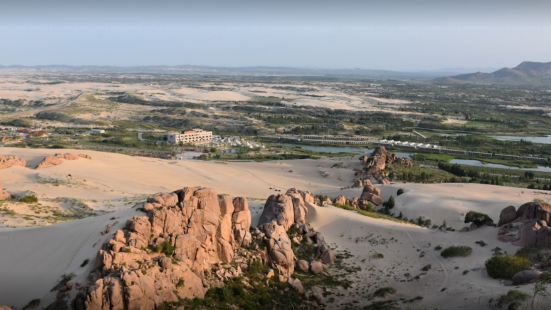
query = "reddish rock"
x=194 y=223
x=49 y=161
x=10 y=161
x=507 y=215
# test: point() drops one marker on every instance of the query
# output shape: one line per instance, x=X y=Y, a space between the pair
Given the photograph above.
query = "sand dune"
x=44 y=254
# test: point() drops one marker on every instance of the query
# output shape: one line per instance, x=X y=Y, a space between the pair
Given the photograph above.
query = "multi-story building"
x=189 y=136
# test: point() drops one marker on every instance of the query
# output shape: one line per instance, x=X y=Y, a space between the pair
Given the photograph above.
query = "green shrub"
x=390 y=203
x=384 y=291
x=400 y=192
x=181 y=282
x=85 y=262
x=506 y=266
x=29 y=199
x=454 y=251
x=513 y=297
x=478 y=218
x=166 y=247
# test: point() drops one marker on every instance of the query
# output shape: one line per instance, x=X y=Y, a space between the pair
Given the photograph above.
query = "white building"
x=97 y=131
x=190 y=136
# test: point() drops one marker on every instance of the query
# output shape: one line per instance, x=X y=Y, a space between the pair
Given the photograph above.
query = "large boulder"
x=279 y=208
x=299 y=207
x=302 y=265
x=241 y=221
x=296 y=284
x=316 y=267
x=507 y=215
x=526 y=276
x=340 y=200
x=278 y=244
x=534 y=210
x=528 y=234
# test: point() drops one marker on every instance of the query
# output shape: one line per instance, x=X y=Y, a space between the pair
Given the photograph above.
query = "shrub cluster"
x=506 y=266
x=29 y=199
x=478 y=218
x=454 y=251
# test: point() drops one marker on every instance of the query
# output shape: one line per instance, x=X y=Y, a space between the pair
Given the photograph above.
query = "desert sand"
x=44 y=254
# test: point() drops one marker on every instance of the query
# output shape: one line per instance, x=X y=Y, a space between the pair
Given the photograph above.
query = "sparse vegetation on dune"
x=456 y=251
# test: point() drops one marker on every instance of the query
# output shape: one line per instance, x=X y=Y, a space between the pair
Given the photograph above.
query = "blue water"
x=338 y=149
x=477 y=163
x=544 y=140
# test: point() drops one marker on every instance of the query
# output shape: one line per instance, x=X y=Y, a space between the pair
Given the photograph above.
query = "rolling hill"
x=526 y=73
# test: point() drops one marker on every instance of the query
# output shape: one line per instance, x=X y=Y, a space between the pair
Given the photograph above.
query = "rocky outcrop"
x=527 y=226
x=379 y=159
x=372 y=195
x=69 y=156
x=49 y=161
x=534 y=210
x=299 y=199
x=5 y=308
x=3 y=194
x=278 y=244
x=342 y=200
x=10 y=161
x=167 y=254
x=287 y=209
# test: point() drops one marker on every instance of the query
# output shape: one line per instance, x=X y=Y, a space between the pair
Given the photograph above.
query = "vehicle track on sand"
x=446 y=276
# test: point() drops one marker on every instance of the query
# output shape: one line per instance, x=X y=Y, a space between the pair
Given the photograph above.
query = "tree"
x=390 y=203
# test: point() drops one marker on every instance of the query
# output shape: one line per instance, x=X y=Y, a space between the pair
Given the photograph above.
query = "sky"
x=399 y=35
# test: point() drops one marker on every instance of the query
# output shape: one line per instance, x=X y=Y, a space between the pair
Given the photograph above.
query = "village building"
x=189 y=136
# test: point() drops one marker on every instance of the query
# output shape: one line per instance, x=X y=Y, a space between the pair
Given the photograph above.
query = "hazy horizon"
x=392 y=35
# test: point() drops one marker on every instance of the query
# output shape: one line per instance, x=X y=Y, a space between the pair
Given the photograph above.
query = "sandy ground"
x=33 y=259
x=407 y=248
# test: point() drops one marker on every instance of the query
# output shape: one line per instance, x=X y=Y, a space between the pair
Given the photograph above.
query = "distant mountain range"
x=527 y=72
x=246 y=71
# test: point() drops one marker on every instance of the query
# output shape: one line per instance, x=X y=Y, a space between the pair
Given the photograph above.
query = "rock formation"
x=379 y=159
x=527 y=226
x=10 y=161
x=165 y=255
x=280 y=252
x=281 y=212
x=370 y=194
x=287 y=209
x=69 y=156
x=50 y=161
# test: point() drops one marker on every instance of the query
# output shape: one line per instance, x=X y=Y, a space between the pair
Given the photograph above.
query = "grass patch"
x=372 y=214
x=166 y=247
x=29 y=199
